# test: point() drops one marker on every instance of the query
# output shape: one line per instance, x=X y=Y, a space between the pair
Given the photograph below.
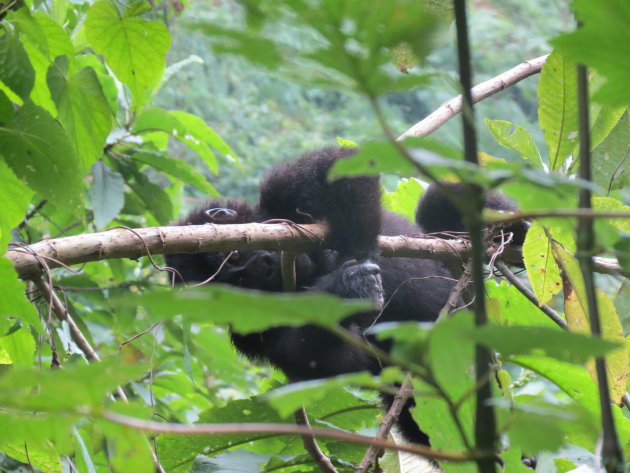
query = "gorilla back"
x=403 y=288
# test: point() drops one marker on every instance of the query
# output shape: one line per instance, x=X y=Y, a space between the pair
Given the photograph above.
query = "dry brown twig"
x=373 y=451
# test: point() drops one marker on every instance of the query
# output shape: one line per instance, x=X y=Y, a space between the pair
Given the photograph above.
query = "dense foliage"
x=101 y=127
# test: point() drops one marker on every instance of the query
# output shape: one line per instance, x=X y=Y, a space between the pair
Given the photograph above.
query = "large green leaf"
x=38 y=150
x=516 y=309
x=515 y=137
x=245 y=311
x=134 y=48
x=18 y=347
x=611 y=159
x=44 y=40
x=14 y=302
x=602 y=43
x=555 y=343
x=16 y=71
x=76 y=385
x=404 y=199
x=15 y=197
x=82 y=109
x=179 y=450
x=557 y=108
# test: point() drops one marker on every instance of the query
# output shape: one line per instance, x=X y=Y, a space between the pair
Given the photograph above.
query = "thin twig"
x=373 y=452
x=310 y=444
x=523 y=289
x=456 y=293
x=285 y=429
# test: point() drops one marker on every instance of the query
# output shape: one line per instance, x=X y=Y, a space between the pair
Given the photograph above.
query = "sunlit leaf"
x=602 y=30
x=82 y=109
x=134 y=48
x=557 y=108
x=542 y=270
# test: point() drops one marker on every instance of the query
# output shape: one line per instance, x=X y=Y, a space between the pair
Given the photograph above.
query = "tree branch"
x=449 y=109
x=121 y=243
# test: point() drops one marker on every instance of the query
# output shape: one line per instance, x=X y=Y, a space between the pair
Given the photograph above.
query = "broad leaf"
x=82 y=109
x=543 y=272
x=134 y=48
x=515 y=137
x=603 y=29
x=16 y=71
x=542 y=341
x=38 y=150
x=256 y=310
x=557 y=108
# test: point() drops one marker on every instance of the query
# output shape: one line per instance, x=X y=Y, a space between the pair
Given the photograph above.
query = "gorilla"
x=402 y=289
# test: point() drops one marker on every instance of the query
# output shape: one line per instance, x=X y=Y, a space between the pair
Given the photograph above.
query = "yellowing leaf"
x=576 y=312
x=542 y=270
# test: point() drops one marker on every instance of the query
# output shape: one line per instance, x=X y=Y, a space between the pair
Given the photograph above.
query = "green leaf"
x=16 y=71
x=14 y=302
x=200 y=130
x=515 y=137
x=611 y=159
x=83 y=110
x=107 y=194
x=178 y=450
x=40 y=153
x=134 y=48
x=603 y=29
x=256 y=310
x=543 y=341
x=74 y=386
x=155 y=199
x=189 y=129
x=179 y=169
x=516 y=309
x=404 y=199
x=543 y=272
x=288 y=399
x=608 y=117
x=15 y=197
x=44 y=40
x=19 y=347
x=623 y=247
x=557 y=108
x=42 y=455
x=536 y=425
x=608 y=204
x=83 y=454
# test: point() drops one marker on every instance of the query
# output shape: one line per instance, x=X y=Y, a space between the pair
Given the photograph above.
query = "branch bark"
x=449 y=109
x=122 y=243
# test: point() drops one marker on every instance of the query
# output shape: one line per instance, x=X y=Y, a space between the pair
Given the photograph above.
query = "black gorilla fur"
x=415 y=289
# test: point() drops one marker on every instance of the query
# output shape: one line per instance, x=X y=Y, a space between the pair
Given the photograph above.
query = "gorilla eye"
x=236 y=255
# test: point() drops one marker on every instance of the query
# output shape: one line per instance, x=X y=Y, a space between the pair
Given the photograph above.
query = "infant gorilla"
x=351 y=267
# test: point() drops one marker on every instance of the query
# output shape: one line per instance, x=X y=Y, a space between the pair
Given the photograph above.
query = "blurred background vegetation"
x=265 y=118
